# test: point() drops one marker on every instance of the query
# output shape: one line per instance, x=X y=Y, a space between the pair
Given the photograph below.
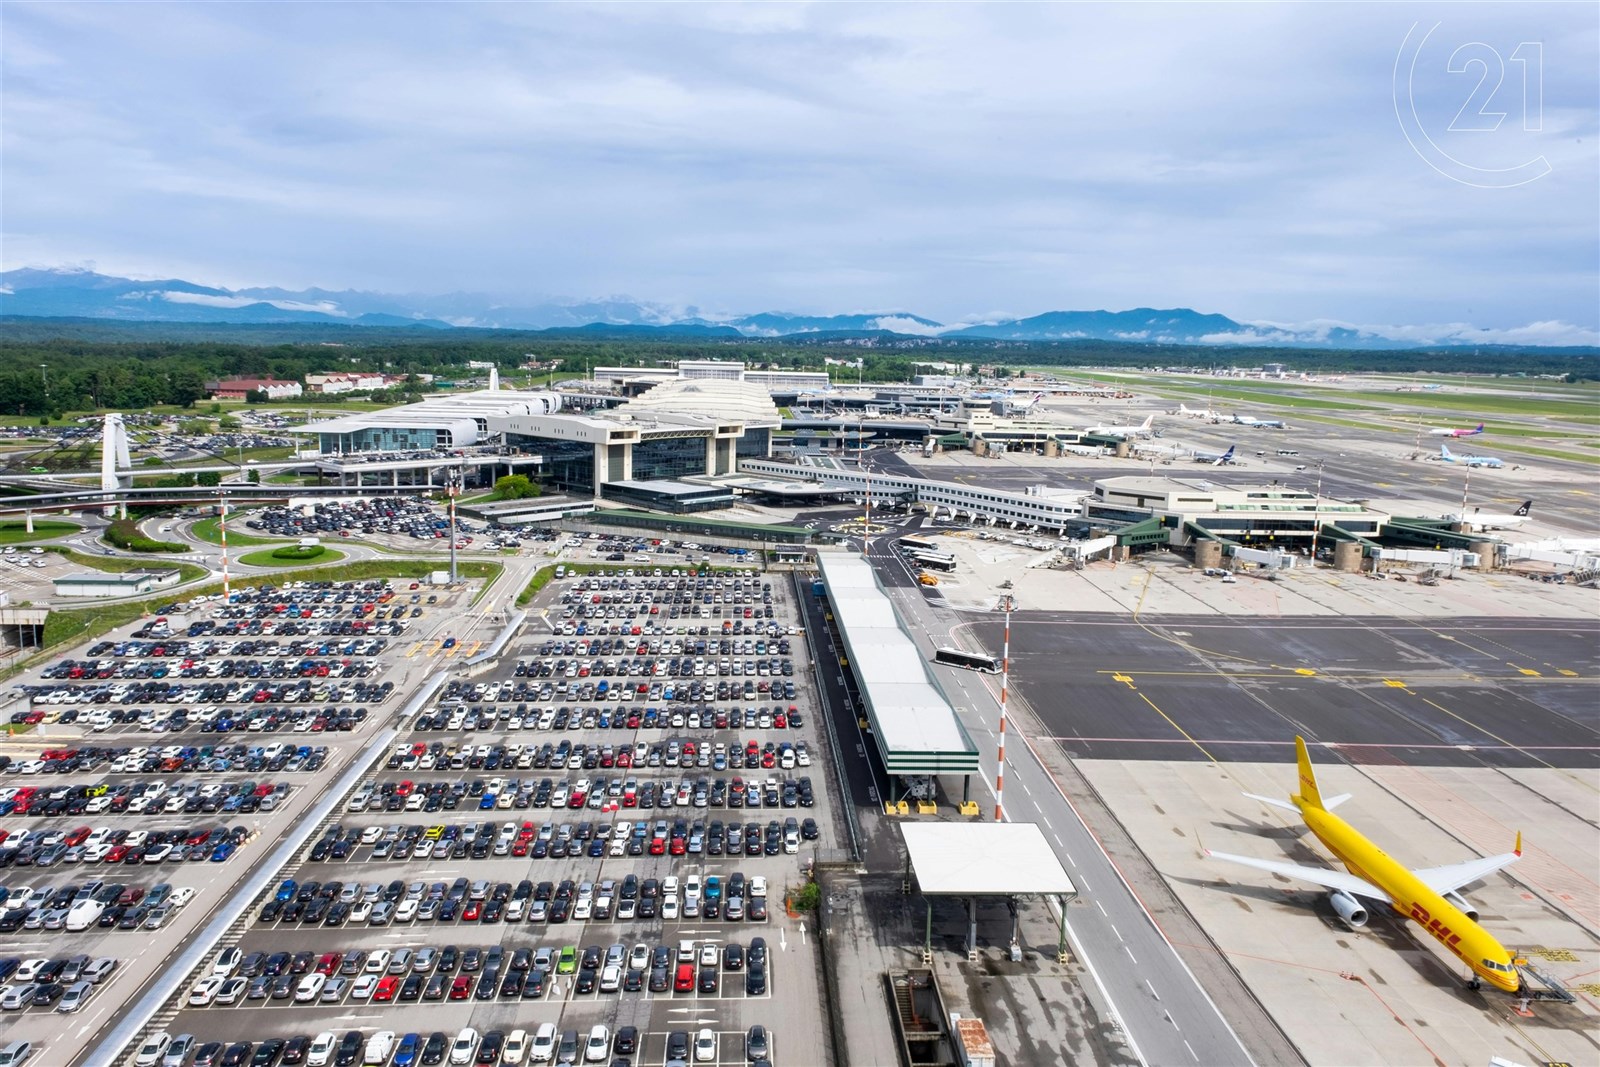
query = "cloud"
x=178 y=296
x=938 y=158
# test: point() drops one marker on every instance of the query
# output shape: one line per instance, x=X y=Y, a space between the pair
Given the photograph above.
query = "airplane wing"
x=1448 y=879
x=1339 y=880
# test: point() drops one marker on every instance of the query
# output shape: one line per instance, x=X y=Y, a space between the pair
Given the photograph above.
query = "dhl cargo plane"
x=1428 y=896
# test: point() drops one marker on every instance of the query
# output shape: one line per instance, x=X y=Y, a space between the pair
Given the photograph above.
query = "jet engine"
x=1466 y=906
x=1349 y=909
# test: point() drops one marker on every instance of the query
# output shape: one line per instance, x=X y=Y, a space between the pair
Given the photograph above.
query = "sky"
x=1282 y=163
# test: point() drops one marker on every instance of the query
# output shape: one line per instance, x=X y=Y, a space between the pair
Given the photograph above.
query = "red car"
x=461 y=987
x=387 y=988
x=329 y=963
x=684 y=981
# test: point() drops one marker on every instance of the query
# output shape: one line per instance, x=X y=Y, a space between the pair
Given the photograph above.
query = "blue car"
x=406 y=1053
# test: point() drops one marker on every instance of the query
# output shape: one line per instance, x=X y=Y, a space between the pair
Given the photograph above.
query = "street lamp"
x=453 y=478
x=1007 y=604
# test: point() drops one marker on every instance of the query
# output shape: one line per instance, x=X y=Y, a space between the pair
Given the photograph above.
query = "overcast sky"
x=960 y=162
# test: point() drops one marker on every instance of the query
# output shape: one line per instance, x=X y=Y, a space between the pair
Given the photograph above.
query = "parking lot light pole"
x=222 y=529
x=453 y=490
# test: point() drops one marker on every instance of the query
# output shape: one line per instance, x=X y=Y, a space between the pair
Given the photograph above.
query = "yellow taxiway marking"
x=1569 y=674
x=1393 y=683
x=1307 y=671
x=1529 y=671
x=1123 y=678
x=1178 y=728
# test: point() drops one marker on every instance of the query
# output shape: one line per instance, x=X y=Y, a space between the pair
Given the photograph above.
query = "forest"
x=48 y=367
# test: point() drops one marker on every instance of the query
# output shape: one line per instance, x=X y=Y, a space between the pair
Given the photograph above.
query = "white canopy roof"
x=975 y=859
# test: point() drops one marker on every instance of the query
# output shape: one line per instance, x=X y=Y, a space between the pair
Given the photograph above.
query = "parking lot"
x=158 y=762
x=600 y=830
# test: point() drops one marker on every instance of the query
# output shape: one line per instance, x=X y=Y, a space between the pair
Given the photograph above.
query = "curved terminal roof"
x=913 y=722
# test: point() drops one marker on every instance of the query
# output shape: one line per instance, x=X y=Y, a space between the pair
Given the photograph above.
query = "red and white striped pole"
x=1005 y=678
x=222 y=528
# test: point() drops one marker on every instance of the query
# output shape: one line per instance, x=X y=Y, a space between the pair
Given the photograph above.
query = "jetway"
x=1273 y=559
x=1450 y=557
x=1578 y=554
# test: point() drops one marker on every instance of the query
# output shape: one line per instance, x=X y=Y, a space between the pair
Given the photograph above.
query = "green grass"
x=13 y=533
x=209 y=530
x=117 y=564
x=265 y=558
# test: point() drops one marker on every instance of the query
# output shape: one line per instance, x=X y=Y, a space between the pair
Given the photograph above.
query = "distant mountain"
x=37 y=293
x=1171 y=326
x=779 y=324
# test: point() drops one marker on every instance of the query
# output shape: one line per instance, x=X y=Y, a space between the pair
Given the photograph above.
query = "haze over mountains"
x=34 y=292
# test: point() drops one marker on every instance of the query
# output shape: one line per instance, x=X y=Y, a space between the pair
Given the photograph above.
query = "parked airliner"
x=1428 y=896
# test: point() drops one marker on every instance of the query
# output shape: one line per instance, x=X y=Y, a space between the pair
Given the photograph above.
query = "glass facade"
x=379 y=439
x=568 y=465
x=754 y=444
x=670 y=457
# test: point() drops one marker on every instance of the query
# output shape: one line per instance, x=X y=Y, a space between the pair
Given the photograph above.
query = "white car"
x=758 y=886
x=232 y=990
x=464 y=1046
x=30 y=969
x=310 y=988
x=705 y=1046
x=154 y=1047
x=321 y=1049
x=515 y=1048
x=543 y=1049
x=598 y=1046
x=363 y=986
x=226 y=961
x=205 y=990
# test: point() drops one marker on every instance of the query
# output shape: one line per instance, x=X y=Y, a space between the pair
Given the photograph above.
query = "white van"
x=84 y=914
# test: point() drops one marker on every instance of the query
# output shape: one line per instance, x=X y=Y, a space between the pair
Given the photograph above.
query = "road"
x=1168 y=1016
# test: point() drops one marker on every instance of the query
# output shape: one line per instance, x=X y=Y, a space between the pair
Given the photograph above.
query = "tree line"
x=129 y=367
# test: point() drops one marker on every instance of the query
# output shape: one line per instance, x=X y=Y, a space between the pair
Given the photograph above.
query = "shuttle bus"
x=972 y=661
x=937 y=561
x=917 y=544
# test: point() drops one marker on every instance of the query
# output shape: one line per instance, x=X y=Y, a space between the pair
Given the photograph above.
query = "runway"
x=1504 y=693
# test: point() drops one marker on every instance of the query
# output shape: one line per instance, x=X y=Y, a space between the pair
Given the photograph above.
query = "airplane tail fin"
x=1444 y=452
x=1148 y=419
x=1527 y=506
x=1479 y=428
x=1308 y=778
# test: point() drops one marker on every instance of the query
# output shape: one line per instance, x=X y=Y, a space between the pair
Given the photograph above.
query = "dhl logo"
x=1434 y=926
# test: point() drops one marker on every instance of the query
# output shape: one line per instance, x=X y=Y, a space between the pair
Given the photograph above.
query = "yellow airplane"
x=1428 y=896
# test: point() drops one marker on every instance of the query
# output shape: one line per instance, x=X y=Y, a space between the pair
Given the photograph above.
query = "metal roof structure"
x=979 y=859
x=915 y=726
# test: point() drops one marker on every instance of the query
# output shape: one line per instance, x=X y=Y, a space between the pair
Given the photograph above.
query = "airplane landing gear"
x=1475 y=983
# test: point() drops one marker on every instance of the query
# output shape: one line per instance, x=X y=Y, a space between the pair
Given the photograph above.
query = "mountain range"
x=53 y=293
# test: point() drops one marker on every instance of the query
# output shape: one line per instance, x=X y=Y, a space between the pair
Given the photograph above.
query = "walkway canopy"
x=913 y=722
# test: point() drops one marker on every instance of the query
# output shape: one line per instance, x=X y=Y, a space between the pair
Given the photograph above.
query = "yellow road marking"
x=1178 y=728
x=1307 y=671
x=415 y=648
x=1569 y=674
x=1528 y=671
x=1123 y=678
x=1393 y=684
